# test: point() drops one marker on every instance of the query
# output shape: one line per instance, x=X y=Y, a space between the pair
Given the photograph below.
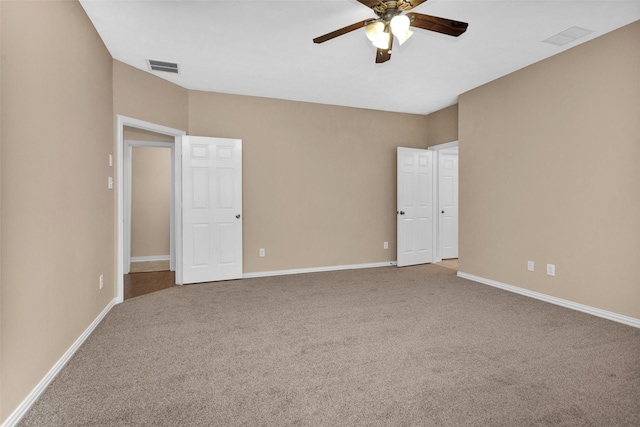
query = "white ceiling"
x=264 y=47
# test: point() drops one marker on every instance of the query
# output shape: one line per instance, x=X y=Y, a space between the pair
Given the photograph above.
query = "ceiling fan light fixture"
x=382 y=41
x=374 y=30
x=400 y=25
x=392 y=21
x=404 y=37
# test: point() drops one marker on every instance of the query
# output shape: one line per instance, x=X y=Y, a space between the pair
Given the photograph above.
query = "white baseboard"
x=631 y=321
x=22 y=409
x=317 y=269
x=150 y=258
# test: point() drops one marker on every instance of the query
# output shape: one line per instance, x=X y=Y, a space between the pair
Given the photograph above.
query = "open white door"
x=448 y=195
x=211 y=209
x=415 y=207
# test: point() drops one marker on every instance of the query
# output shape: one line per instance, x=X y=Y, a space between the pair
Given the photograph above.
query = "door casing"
x=121 y=122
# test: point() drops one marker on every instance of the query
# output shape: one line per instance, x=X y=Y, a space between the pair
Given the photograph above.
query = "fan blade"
x=439 y=25
x=383 y=55
x=341 y=31
x=409 y=4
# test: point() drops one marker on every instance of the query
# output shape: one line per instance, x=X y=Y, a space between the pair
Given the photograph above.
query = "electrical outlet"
x=261 y=251
x=110 y=183
x=530 y=265
x=386 y=245
x=111 y=160
x=101 y=281
x=551 y=270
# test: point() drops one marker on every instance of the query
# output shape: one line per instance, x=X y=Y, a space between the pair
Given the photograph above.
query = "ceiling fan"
x=391 y=21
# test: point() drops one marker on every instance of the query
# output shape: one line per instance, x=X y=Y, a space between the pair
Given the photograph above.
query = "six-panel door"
x=415 y=206
x=448 y=194
x=212 y=209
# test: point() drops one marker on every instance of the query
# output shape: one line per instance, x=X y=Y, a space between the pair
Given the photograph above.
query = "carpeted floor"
x=413 y=346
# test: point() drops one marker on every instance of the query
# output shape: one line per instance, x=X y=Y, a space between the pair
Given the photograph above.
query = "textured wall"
x=150 y=231
x=57 y=219
x=442 y=126
x=319 y=181
x=150 y=201
x=549 y=172
x=143 y=96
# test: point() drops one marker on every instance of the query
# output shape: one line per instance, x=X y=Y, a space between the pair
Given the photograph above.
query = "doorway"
x=149 y=242
x=148 y=198
x=218 y=244
x=128 y=126
x=446 y=162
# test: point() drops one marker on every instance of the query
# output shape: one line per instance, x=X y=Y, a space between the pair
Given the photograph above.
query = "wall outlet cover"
x=551 y=270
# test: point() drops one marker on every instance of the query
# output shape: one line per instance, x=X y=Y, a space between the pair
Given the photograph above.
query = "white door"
x=448 y=195
x=415 y=206
x=211 y=209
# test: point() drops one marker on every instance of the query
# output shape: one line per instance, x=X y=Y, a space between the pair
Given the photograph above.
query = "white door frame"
x=128 y=145
x=123 y=121
x=436 y=195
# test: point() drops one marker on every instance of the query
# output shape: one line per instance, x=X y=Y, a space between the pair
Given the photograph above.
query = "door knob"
x=400 y=212
x=442 y=211
x=238 y=216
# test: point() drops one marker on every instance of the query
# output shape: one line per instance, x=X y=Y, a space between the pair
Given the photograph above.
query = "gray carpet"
x=415 y=346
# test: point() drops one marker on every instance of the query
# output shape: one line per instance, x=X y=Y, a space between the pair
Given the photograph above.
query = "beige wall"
x=550 y=172
x=143 y=96
x=319 y=182
x=151 y=194
x=134 y=134
x=150 y=201
x=57 y=219
x=442 y=126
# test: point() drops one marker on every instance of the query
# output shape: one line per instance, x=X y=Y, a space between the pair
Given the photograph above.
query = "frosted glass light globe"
x=373 y=30
x=382 y=41
x=400 y=25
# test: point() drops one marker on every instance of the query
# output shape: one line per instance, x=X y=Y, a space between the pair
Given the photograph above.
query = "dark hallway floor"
x=136 y=284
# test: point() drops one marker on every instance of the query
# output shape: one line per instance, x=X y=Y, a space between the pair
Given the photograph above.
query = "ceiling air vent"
x=567 y=36
x=169 y=67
